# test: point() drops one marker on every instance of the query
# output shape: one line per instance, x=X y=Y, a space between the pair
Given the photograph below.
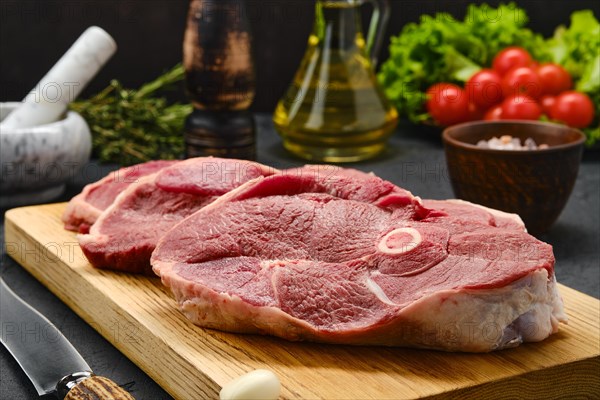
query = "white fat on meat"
x=527 y=310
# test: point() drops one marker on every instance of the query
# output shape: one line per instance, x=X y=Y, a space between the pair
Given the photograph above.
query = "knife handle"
x=86 y=386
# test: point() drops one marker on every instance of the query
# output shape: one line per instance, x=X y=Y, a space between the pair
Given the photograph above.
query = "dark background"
x=149 y=33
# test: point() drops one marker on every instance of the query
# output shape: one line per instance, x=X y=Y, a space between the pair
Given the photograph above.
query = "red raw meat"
x=339 y=256
x=125 y=234
x=85 y=208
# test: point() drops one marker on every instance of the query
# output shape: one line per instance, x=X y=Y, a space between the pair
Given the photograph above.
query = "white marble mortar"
x=38 y=162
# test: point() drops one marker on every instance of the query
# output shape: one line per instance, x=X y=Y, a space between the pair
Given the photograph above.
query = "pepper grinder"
x=220 y=80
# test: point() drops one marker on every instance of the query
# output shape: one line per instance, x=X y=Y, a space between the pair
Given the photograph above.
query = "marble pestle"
x=48 y=100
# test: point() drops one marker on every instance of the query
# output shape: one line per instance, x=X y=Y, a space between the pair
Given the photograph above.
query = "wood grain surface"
x=141 y=319
x=98 y=388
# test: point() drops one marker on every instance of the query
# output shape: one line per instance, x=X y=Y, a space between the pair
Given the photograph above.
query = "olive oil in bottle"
x=334 y=110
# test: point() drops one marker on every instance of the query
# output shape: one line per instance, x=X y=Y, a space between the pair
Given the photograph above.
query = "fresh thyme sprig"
x=133 y=126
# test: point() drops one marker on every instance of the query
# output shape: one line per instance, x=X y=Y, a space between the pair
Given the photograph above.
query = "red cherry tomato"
x=521 y=107
x=484 y=88
x=574 y=109
x=494 y=113
x=522 y=81
x=554 y=78
x=509 y=58
x=547 y=102
x=447 y=104
x=475 y=113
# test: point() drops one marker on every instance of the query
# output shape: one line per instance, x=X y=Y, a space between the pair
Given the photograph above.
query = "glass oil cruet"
x=334 y=110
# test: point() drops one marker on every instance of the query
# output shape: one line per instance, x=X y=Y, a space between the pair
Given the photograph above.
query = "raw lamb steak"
x=125 y=234
x=297 y=256
x=85 y=208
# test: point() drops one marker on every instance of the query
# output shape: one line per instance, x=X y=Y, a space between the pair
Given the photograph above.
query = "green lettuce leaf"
x=577 y=46
x=590 y=78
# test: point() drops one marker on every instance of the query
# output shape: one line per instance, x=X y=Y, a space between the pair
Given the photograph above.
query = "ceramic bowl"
x=535 y=184
x=38 y=162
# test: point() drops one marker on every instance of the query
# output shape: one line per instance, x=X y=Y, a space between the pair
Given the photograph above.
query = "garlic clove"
x=259 y=384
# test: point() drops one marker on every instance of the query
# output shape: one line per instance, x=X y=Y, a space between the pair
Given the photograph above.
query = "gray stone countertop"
x=415 y=160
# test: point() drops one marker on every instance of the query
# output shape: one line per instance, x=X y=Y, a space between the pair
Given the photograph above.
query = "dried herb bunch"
x=132 y=126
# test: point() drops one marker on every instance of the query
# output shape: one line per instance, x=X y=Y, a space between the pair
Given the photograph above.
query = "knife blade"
x=48 y=359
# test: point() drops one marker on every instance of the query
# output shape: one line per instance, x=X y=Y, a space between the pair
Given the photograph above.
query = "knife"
x=49 y=360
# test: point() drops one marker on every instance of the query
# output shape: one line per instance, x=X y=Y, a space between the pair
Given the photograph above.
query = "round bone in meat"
x=399 y=241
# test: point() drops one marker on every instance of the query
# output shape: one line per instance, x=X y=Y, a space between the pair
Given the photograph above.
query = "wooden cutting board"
x=141 y=319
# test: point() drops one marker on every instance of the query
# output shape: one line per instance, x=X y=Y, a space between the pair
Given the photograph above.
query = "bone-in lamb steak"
x=298 y=256
x=85 y=208
x=125 y=234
